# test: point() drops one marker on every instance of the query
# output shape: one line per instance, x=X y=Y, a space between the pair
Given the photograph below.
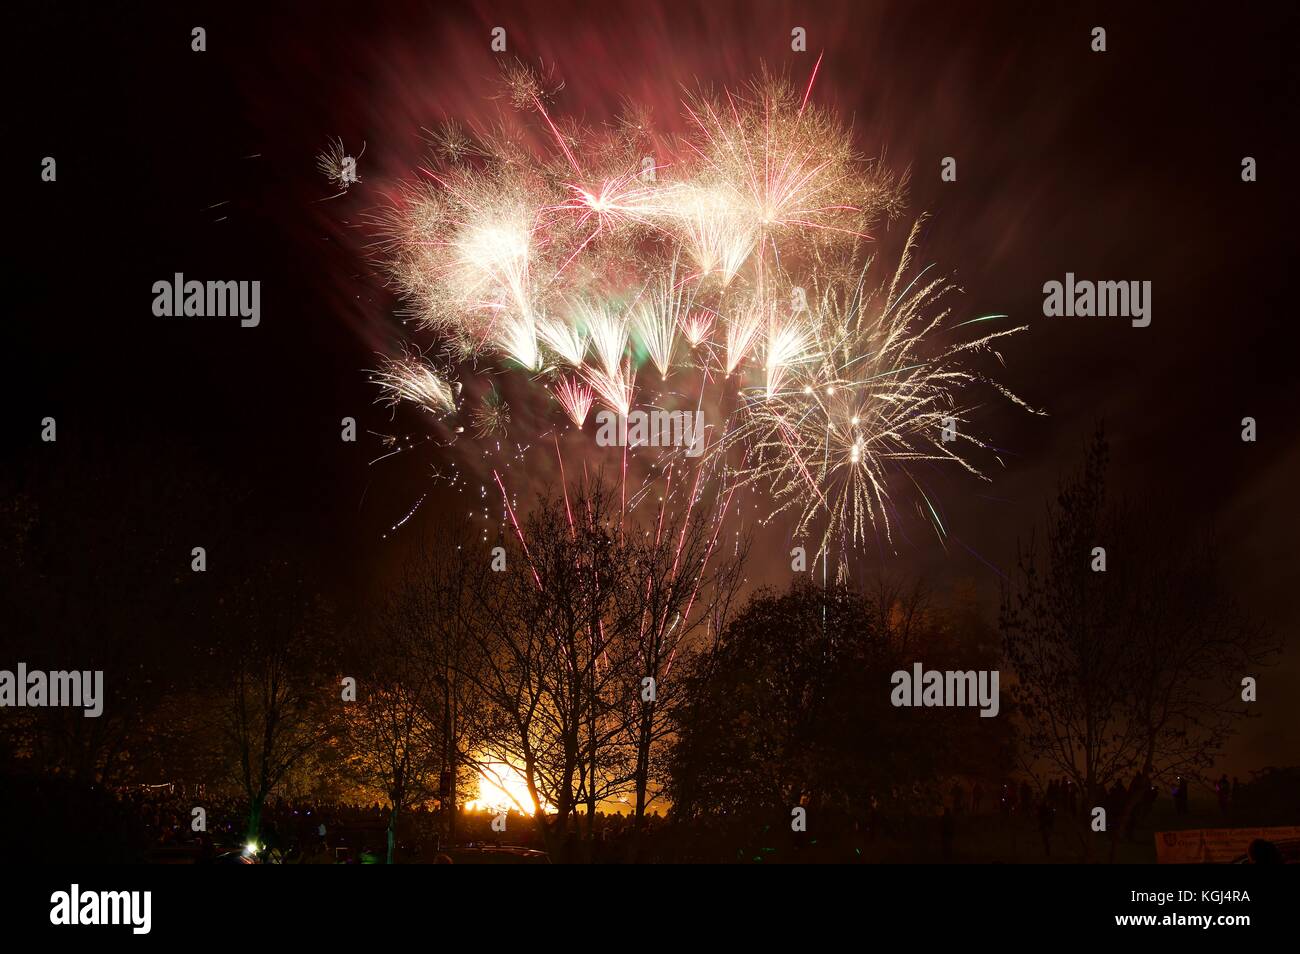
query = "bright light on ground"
x=501 y=787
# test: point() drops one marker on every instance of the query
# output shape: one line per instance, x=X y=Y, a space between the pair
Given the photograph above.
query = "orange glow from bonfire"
x=502 y=787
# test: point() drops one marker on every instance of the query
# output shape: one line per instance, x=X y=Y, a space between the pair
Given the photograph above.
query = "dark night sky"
x=1123 y=165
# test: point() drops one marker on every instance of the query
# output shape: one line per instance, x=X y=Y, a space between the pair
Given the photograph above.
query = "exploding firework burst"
x=577 y=272
x=575 y=397
x=336 y=165
x=412 y=379
x=875 y=396
x=491 y=416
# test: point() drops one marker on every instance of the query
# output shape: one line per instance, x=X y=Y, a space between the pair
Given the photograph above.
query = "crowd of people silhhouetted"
x=305 y=832
x=302 y=832
x=1062 y=797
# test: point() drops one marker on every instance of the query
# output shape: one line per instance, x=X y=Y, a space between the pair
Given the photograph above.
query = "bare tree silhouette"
x=1133 y=673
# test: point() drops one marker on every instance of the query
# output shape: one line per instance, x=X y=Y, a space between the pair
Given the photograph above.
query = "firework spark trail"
x=616 y=388
x=568 y=510
x=656 y=318
x=697 y=327
x=577 y=266
x=717 y=527
x=786 y=346
x=412 y=379
x=811 y=79
x=607 y=329
x=567 y=340
x=742 y=329
x=575 y=397
x=514 y=522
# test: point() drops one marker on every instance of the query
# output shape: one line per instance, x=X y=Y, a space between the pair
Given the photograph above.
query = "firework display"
x=735 y=262
x=650 y=433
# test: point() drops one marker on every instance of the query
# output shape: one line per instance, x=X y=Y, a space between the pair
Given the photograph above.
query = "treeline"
x=609 y=666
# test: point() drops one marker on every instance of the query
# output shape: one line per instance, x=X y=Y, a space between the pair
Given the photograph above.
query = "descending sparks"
x=741 y=329
x=715 y=226
x=568 y=341
x=617 y=387
x=657 y=316
x=697 y=327
x=786 y=346
x=608 y=331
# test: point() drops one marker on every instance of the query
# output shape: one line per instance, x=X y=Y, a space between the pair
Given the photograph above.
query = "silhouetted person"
x=1046 y=822
x=1146 y=793
x=1097 y=798
x=947 y=831
x=1264 y=852
x=958 y=798
x=1180 y=796
x=1114 y=803
x=1223 y=789
x=270 y=837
